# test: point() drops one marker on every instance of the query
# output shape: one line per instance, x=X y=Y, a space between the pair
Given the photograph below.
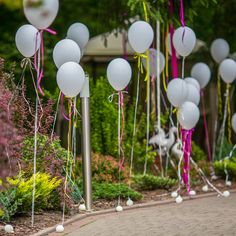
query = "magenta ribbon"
x=174 y=61
x=187 y=148
x=182 y=13
x=206 y=127
x=40 y=72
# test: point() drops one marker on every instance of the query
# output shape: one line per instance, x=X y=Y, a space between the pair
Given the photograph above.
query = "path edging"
x=79 y=217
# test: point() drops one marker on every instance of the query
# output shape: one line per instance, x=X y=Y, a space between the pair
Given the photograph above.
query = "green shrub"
x=104 y=169
x=9 y=203
x=231 y=168
x=18 y=197
x=111 y=191
x=197 y=153
x=151 y=182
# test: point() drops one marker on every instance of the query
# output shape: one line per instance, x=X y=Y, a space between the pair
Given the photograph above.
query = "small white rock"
x=179 y=199
x=174 y=194
x=192 y=193
x=205 y=188
x=226 y=193
x=60 y=229
x=9 y=229
x=82 y=207
x=214 y=177
x=129 y=202
x=228 y=183
x=119 y=208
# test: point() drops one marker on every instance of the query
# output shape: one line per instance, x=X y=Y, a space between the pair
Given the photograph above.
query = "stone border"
x=79 y=217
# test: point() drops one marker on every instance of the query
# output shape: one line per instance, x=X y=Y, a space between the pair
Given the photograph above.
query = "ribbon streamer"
x=206 y=127
x=187 y=146
x=42 y=50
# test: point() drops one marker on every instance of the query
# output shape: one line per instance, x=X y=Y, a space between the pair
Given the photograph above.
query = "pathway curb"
x=79 y=217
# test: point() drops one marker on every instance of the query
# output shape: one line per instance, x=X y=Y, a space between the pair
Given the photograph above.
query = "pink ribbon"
x=66 y=117
x=174 y=61
x=187 y=148
x=40 y=72
x=182 y=13
x=206 y=127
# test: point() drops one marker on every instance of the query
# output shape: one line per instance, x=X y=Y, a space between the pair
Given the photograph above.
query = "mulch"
x=22 y=222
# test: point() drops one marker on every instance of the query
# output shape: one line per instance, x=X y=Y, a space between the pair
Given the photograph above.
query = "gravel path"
x=204 y=217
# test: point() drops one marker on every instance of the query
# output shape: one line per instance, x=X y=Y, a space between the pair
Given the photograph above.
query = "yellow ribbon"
x=139 y=57
x=145 y=11
x=220 y=104
x=174 y=111
x=229 y=118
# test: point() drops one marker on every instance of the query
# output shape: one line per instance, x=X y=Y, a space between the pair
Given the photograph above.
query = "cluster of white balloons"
x=66 y=55
x=40 y=17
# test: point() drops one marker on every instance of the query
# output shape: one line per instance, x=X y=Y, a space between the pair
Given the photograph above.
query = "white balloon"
x=174 y=194
x=228 y=70
x=60 y=228
x=192 y=193
x=228 y=183
x=70 y=79
x=41 y=16
x=129 y=202
x=188 y=115
x=179 y=199
x=193 y=94
x=153 y=61
x=66 y=50
x=177 y=92
x=82 y=207
x=226 y=193
x=219 y=50
x=205 y=188
x=79 y=33
x=9 y=229
x=201 y=72
x=119 y=73
x=27 y=40
x=140 y=36
x=119 y=208
x=233 y=122
x=184 y=40
x=190 y=80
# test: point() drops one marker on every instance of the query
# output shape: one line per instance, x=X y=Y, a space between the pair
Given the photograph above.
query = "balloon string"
x=158 y=94
x=220 y=103
x=229 y=123
x=67 y=163
x=66 y=117
x=134 y=128
x=222 y=130
x=167 y=54
x=148 y=109
x=206 y=127
x=35 y=146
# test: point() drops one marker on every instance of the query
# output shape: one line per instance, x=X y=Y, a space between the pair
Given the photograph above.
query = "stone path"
x=214 y=216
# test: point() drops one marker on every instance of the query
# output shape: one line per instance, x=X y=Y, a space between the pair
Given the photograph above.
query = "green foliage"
x=231 y=168
x=104 y=169
x=151 y=182
x=111 y=191
x=197 y=153
x=103 y=119
x=50 y=155
x=226 y=148
x=18 y=196
x=9 y=203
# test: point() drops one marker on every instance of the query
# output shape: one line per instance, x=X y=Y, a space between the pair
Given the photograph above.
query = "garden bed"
x=22 y=223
